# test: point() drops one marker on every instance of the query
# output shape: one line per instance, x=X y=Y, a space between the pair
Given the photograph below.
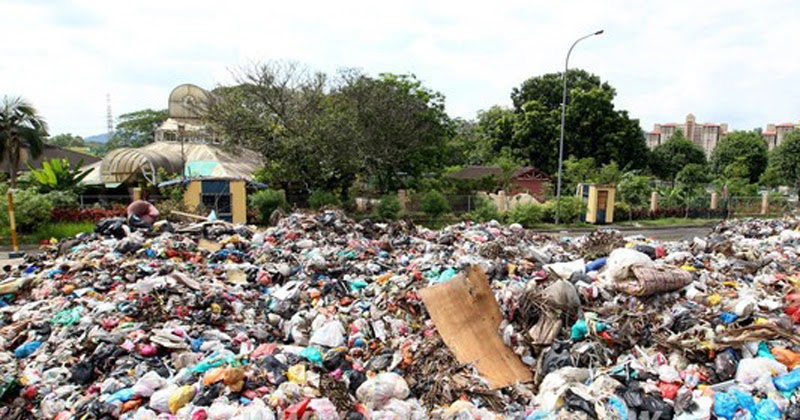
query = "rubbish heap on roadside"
x=326 y=318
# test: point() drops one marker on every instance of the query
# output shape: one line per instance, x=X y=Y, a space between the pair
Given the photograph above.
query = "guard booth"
x=225 y=196
x=599 y=202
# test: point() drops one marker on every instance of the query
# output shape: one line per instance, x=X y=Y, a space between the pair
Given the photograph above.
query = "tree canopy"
x=320 y=132
x=670 y=157
x=786 y=158
x=593 y=127
x=745 y=150
x=21 y=127
x=136 y=129
x=66 y=140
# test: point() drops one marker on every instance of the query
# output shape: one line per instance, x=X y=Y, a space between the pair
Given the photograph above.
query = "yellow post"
x=12 y=222
x=137 y=194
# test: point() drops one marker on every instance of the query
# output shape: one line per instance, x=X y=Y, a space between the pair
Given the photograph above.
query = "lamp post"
x=563 y=115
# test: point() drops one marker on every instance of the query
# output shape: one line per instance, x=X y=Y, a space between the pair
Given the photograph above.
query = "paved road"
x=672 y=233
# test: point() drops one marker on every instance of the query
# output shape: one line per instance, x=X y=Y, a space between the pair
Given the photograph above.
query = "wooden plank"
x=467 y=316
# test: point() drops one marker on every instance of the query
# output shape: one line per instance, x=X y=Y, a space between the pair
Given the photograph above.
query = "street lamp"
x=563 y=114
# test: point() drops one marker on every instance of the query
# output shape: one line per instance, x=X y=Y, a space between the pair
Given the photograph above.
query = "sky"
x=722 y=60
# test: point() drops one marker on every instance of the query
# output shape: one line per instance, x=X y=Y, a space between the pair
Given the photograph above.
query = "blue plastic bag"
x=745 y=400
x=579 y=330
x=789 y=381
x=312 y=355
x=768 y=410
x=763 y=351
x=122 y=395
x=27 y=349
x=728 y=317
x=725 y=405
x=596 y=264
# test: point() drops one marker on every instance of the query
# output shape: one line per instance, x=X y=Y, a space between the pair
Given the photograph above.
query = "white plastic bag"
x=621 y=261
x=159 y=401
x=329 y=335
x=565 y=269
x=750 y=370
x=148 y=384
x=378 y=391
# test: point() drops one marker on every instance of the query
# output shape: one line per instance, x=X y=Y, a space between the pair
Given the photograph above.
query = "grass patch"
x=670 y=221
x=47 y=231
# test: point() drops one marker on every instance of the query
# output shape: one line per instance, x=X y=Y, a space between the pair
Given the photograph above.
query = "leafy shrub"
x=63 y=199
x=321 y=198
x=485 y=211
x=31 y=209
x=526 y=214
x=572 y=209
x=435 y=204
x=267 y=201
x=389 y=207
x=622 y=210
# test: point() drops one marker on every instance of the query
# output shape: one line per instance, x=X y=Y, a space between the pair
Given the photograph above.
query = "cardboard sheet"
x=467 y=317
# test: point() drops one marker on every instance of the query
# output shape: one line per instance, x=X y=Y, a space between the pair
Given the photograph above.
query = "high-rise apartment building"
x=705 y=135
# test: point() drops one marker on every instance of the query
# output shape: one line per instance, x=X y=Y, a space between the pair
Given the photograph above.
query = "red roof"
x=769 y=133
x=786 y=125
x=668 y=125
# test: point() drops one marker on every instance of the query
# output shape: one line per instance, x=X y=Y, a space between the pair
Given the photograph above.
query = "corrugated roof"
x=50 y=152
x=126 y=164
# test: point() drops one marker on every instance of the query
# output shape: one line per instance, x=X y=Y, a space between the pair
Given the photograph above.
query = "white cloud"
x=725 y=61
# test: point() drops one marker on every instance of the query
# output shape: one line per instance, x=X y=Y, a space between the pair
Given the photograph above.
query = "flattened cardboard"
x=467 y=317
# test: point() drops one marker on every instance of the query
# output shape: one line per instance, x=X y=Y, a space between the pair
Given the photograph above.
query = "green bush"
x=572 y=208
x=31 y=209
x=622 y=210
x=321 y=198
x=485 y=211
x=267 y=201
x=389 y=207
x=526 y=214
x=435 y=204
x=63 y=199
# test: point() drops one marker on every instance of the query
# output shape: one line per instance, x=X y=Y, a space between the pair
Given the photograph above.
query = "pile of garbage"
x=323 y=317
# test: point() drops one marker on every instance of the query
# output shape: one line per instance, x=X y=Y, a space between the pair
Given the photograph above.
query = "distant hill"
x=97 y=138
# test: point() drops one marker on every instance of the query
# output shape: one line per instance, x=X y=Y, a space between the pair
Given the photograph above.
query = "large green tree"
x=740 y=147
x=786 y=159
x=21 y=127
x=670 y=157
x=593 y=127
x=320 y=132
x=136 y=129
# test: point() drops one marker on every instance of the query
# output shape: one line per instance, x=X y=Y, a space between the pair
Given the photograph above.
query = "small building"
x=599 y=200
x=524 y=180
x=227 y=197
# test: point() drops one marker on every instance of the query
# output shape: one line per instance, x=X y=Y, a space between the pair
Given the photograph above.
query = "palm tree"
x=21 y=127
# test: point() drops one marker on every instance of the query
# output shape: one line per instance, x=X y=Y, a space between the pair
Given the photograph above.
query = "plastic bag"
x=768 y=410
x=27 y=349
x=620 y=262
x=750 y=370
x=257 y=410
x=565 y=269
x=148 y=384
x=323 y=409
x=575 y=403
x=180 y=397
x=329 y=335
x=159 y=401
x=376 y=392
x=789 y=381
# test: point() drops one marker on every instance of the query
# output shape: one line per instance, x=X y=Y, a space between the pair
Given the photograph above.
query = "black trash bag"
x=356 y=379
x=633 y=395
x=113 y=226
x=352 y=415
x=83 y=373
x=209 y=394
x=575 y=403
x=580 y=276
x=333 y=359
x=725 y=365
x=275 y=368
x=683 y=322
x=684 y=403
x=128 y=246
x=557 y=356
x=657 y=407
x=647 y=250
